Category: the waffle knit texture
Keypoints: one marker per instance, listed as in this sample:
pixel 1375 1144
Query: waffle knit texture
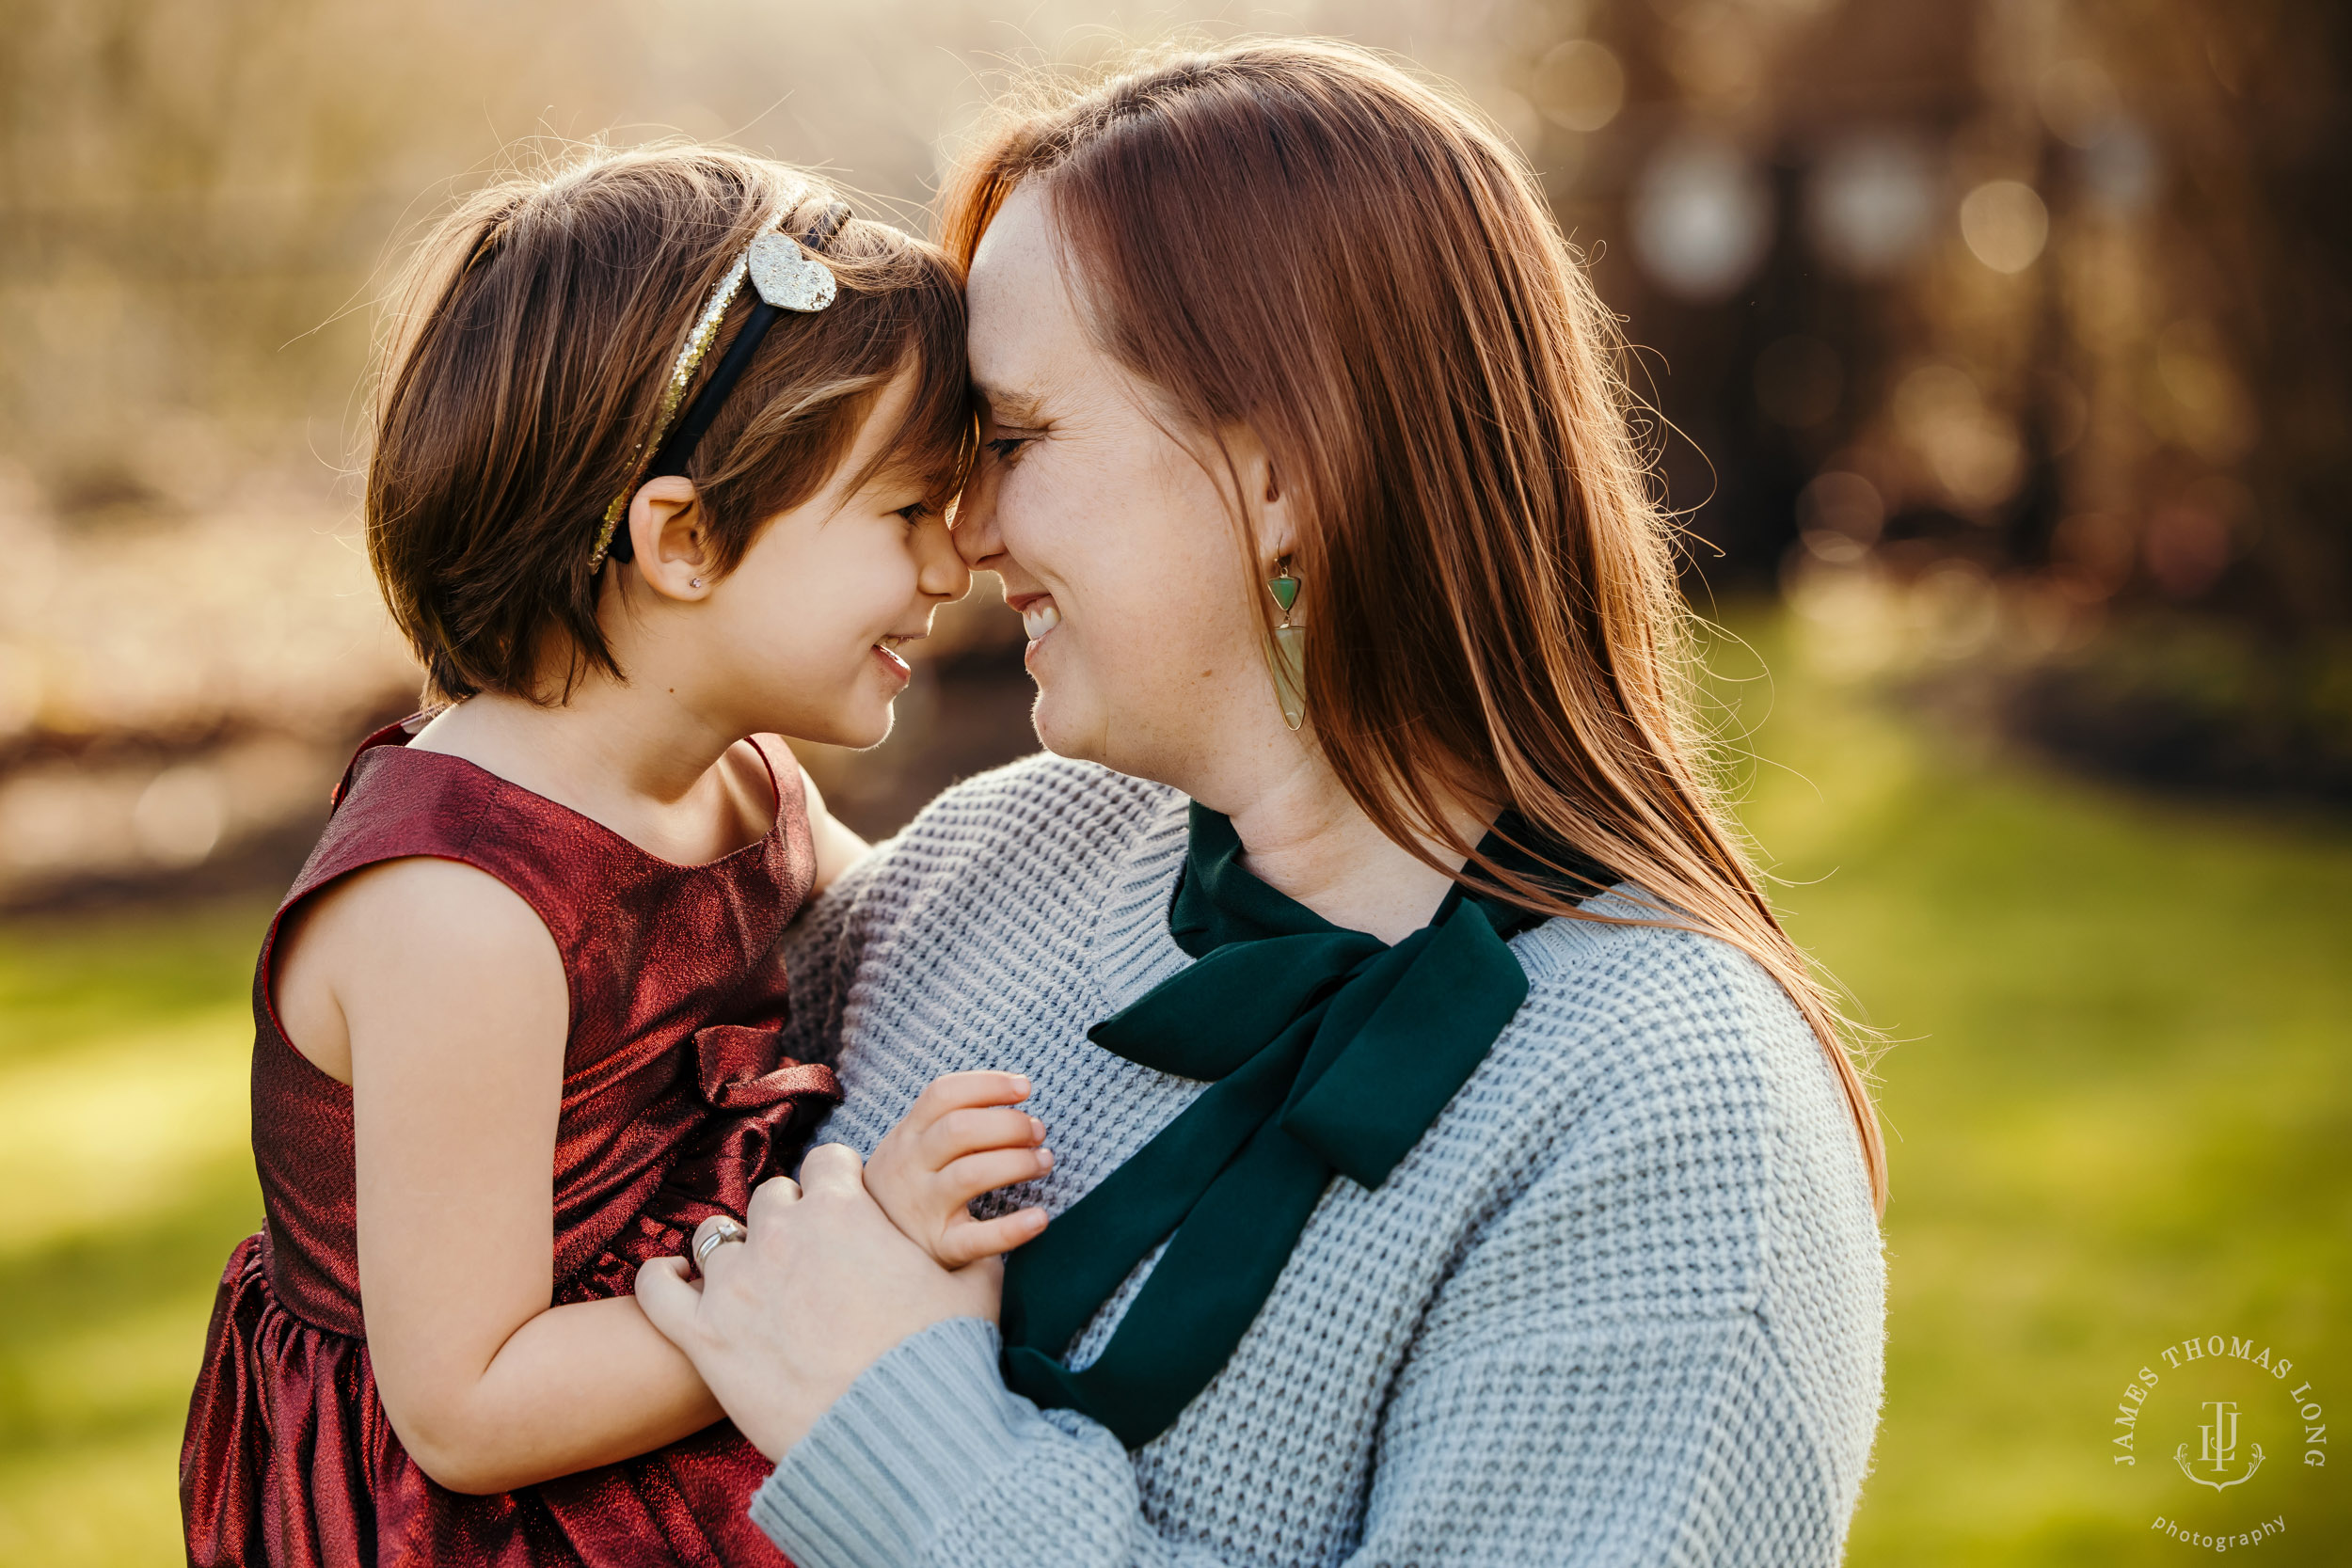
pixel 1623 1304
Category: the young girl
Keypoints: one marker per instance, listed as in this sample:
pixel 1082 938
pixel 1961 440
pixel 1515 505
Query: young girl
pixel 662 448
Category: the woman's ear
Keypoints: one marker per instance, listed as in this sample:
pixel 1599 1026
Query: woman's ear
pixel 1265 494
pixel 674 547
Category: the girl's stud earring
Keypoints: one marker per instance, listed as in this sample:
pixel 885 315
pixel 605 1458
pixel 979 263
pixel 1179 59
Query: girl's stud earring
pixel 696 583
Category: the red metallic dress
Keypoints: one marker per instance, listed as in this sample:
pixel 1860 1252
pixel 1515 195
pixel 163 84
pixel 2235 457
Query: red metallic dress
pixel 675 1103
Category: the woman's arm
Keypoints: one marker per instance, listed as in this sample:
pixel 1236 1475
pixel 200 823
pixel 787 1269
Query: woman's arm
pixel 1543 1416
pixel 453 999
pixel 819 953
pixel 839 845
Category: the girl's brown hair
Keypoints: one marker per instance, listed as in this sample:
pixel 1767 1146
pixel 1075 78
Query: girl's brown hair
pixel 1301 240
pixel 524 362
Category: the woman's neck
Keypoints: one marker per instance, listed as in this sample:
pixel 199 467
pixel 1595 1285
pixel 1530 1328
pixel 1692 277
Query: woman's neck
pixel 1303 835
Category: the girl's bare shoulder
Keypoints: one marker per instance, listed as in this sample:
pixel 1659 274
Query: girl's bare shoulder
pixel 418 933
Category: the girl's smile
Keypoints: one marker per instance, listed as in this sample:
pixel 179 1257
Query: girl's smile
pixel 886 654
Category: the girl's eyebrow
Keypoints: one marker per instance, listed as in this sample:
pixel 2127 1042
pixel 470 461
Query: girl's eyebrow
pixel 901 472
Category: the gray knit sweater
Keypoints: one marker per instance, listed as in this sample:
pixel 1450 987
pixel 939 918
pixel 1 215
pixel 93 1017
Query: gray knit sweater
pixel 1623 1304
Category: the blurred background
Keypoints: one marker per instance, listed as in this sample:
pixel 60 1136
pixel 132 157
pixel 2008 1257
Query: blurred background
pixel 1997 351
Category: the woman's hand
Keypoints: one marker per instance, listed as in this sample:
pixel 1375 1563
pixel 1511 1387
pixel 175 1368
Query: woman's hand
pixel 781 1324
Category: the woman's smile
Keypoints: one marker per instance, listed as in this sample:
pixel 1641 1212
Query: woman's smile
pixel 1039 617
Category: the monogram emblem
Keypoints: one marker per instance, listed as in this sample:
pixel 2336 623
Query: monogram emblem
pixel 2217 1447
pixel 787 276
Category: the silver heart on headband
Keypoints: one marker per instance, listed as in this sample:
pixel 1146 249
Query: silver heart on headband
pixel 787 276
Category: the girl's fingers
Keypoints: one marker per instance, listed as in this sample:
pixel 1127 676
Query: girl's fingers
pixel 964 1179
pixel 955 1091
pixel 966 1131
pixel 970 1242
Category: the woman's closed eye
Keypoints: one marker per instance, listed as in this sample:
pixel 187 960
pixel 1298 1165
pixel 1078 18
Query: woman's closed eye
pixel 1005 448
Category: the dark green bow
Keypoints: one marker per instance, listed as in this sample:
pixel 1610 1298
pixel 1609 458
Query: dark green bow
pixel 1325 1051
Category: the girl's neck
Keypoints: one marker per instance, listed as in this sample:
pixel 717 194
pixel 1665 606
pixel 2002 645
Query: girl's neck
pixel 632 758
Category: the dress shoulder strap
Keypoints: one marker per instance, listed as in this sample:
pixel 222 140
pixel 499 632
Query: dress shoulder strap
pixel 394 804
pixel 616 913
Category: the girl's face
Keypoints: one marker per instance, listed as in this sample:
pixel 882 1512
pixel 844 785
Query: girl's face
pixel 1116 544
pixel 805 636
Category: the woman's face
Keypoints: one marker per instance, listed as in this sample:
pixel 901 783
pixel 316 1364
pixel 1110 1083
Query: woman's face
pixel 1116 546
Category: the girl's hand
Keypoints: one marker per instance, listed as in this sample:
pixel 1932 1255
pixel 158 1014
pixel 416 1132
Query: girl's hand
pixel 960 1139
pixel 780 1324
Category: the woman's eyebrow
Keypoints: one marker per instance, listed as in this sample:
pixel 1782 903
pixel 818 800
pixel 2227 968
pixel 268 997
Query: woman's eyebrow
pixel 1020 409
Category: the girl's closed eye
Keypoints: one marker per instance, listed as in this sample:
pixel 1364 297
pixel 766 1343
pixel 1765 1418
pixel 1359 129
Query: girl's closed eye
pixel 913 512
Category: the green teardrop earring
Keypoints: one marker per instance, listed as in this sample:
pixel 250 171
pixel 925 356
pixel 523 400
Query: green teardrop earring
pixel 1287 658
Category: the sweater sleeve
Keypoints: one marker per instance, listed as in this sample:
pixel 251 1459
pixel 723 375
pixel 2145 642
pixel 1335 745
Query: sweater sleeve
pixel 1540 1415
pixel 1681 1435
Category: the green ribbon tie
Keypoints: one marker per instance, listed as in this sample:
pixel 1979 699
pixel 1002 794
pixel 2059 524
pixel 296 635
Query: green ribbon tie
pixel 1324 1051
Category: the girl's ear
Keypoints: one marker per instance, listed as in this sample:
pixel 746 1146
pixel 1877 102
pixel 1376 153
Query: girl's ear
pixel 666 528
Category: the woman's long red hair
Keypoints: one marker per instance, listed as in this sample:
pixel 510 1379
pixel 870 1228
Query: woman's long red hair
pixel 1300 239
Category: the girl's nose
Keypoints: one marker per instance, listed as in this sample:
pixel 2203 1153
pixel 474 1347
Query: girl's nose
pixel 976 537
pixel 940 571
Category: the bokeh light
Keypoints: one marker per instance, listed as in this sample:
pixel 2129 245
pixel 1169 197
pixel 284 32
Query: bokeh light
pixel 2005 224
pixel 1872 204
pixel 1578 86
pixel 1701 217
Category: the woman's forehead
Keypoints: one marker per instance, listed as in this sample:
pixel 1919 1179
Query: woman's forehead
pixel 1022 319
pixel 1019 240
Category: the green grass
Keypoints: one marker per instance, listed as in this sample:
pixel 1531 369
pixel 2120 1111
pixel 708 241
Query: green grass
pixel 2119 1108
pixel 123 1150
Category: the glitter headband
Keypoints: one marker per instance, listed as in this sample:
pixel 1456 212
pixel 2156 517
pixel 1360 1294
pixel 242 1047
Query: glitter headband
pixel 788 276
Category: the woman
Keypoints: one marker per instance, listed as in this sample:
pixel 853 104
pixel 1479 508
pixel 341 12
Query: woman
pixel 1463 1166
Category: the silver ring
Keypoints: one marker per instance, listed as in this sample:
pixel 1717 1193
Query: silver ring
pixel 725 1231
